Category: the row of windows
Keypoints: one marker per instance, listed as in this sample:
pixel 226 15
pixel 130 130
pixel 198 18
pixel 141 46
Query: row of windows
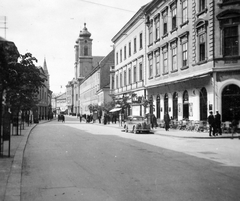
pixel 161 24
pixel 127 50
pixel 129 76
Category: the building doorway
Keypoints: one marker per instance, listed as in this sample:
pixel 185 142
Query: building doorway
pixel 158 107
pixel 203 104
pixel 166 103
pixel 230 102
pixel 185 105
pixel 175 106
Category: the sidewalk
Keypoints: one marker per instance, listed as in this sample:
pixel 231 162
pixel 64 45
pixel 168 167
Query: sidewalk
pixel 11 167
pixel 178 133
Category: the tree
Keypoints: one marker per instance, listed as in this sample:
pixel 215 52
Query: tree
pixel 24 84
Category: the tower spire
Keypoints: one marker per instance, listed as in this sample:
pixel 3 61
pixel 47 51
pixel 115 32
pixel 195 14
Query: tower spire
pixel 45 66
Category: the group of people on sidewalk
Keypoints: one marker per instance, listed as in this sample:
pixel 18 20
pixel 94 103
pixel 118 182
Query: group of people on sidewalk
pixel 215 124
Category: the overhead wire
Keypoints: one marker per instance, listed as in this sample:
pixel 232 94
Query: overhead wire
pixel 108 6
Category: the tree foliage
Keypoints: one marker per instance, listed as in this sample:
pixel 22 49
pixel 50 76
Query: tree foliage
pixel 21 80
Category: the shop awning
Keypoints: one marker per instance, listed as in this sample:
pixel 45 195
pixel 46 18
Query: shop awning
pixel 115 109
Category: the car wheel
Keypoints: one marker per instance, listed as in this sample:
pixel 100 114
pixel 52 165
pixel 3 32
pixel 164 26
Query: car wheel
pixel 126 129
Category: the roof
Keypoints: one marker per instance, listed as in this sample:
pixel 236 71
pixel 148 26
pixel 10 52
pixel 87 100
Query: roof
pixel 131 22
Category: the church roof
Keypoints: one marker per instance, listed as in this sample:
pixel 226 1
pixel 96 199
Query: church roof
pixel 96 60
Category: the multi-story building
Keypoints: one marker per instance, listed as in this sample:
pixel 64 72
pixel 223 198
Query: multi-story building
pixel 94 89
pixel 192 58
pixel 127 77
pixel 226 69
pixel 59 103
pixel 69 97
pixel 190 61
pixel 84 64
pixel 44 108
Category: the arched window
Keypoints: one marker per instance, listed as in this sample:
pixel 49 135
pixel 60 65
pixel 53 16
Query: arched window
pixel 230 102
pixel 85 51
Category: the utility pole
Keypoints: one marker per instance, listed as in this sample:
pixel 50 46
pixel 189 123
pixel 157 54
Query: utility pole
pixel 3 20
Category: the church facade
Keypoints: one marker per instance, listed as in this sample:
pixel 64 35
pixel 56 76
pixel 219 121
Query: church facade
pixel 87 73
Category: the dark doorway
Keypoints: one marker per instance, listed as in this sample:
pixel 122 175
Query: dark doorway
pixel 230 102
pixel 185 105
pixel 203 104
pixel 175 106
pixel 166 103
pixel 158 107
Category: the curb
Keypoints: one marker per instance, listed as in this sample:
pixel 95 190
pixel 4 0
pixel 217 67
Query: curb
pixel 13 188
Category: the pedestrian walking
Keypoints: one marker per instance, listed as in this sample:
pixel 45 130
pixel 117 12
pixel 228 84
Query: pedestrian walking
pixel 167 121
pixel 63 118
pixel 211 121
pixel 80 118
pixel 218 123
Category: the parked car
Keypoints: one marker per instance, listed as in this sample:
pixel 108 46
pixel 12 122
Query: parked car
pixel 137 124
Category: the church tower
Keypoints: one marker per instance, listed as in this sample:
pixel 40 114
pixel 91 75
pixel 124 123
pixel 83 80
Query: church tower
pixel 46 72
pixel 83 54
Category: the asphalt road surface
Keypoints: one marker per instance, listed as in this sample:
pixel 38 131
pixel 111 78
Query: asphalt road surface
pixel 85 162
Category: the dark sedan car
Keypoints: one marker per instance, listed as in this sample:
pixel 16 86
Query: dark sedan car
pixel 137 124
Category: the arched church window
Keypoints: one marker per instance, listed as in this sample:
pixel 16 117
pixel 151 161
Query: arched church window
pixel 85 51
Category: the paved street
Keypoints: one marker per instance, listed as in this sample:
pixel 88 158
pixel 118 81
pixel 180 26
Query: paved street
pixel 73 161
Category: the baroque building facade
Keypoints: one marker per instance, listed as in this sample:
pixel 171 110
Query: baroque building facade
pixel 191 58
pixel 90 85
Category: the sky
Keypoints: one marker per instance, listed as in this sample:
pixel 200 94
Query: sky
pixel 49 29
